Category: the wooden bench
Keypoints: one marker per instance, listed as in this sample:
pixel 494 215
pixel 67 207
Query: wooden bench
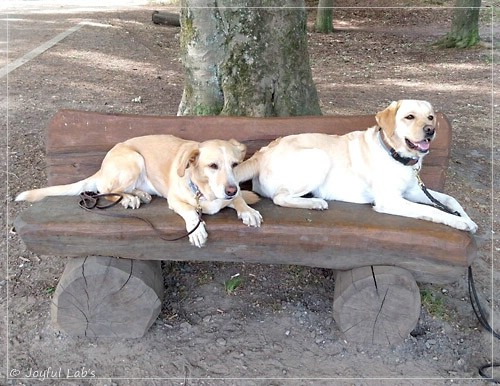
pixel 377 258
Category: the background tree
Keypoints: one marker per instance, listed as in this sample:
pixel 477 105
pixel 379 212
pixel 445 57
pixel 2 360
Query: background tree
pixel 324 17
pixel 241 60
pixel 464 26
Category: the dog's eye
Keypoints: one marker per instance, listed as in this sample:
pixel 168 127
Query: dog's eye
pixel 410 117
pixel 213 166
pixel 234 164
pixel 430 117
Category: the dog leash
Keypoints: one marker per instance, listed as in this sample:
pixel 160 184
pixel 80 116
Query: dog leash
pixel 90 201
pixel 474 299
pixel 438 204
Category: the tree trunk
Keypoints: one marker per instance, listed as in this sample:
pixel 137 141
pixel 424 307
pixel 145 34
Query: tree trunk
pixel 246 61
pixel 464 26
pixel 324 17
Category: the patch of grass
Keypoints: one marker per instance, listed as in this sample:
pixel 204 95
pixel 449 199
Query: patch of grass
pixel 433 303
pixel 205 278
pixel 488 59
pixel 50 290
pixel 232 284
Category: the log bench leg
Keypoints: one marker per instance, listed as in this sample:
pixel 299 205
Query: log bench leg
pixel 101 296
pixel 376 304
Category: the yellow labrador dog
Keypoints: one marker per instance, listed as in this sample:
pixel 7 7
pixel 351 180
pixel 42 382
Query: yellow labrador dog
pixel 188 174
pixel 377 166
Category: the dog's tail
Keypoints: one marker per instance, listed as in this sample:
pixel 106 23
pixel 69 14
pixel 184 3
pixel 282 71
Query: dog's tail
pixel 247 169
pixel 58 190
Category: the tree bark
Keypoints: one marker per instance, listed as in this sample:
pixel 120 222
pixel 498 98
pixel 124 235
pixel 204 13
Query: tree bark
pixel 465 25
pixel 248 61
pixel 324 17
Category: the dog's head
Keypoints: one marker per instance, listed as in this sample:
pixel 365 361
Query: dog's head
pixel 211 167
pixel 409 126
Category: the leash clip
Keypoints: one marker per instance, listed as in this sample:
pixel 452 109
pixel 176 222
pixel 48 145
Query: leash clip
pixel 419 180
pixel 198 195
pixel 199 208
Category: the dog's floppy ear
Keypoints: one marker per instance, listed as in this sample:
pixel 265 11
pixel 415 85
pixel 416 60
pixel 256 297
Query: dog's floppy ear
pixel 240 147
pixel 188 156
pixel 386 119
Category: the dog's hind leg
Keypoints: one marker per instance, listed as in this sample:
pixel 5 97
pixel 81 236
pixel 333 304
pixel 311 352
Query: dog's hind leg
pixel 301 173
pixel 121 171
pixel 284 198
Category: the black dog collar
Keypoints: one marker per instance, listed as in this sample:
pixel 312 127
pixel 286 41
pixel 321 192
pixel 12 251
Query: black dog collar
pixel 407 161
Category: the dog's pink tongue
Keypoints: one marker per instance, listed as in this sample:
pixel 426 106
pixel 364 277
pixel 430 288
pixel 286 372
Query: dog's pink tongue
pixel 423 145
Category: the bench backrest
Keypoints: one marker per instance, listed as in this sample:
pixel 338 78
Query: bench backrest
pixel 77 141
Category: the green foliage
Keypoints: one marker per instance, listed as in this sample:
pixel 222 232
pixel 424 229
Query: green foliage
pixel 433 303
pixel 232 284
pixel 50 290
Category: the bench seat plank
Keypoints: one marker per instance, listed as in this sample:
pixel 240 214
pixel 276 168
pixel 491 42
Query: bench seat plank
pixel 77 140
pixel 335 238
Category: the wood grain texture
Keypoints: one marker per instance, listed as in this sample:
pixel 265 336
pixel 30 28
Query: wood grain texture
pixel 108 297
pixel 376 305
pixel 343 237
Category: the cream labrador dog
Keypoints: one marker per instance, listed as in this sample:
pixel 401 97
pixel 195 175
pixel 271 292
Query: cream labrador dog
pixel 190 175
pixel 377 166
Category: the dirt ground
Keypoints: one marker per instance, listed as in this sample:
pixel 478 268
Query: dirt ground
pixel 277 328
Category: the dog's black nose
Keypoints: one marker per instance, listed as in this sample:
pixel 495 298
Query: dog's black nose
pixel 429 131
pixel 231 190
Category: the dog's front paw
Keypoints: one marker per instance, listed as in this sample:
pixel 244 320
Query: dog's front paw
pixel 144 197
pixel 471 226
pixel 130 201
pixel 465 224
pixel 199 237
pixel 318 204
pixel 251 217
